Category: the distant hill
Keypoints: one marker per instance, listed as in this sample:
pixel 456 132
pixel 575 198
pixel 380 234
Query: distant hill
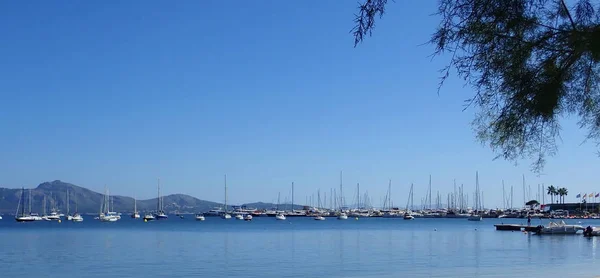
pixel 87 201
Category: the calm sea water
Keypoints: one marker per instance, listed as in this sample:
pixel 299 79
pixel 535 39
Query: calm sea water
pixel 298 247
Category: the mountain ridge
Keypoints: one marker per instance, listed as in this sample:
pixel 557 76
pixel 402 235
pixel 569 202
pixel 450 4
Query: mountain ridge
pixel 84 200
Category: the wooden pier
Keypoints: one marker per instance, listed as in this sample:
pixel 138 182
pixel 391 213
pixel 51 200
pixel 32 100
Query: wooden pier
pixel 515 227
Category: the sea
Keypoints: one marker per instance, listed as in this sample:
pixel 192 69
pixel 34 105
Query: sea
pixel 296 247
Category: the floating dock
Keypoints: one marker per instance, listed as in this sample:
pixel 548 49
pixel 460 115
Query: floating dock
pixel 515 227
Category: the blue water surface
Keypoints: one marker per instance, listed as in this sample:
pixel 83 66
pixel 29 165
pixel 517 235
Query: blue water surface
pixel 297 247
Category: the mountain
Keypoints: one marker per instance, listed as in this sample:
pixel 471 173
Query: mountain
pixel 87 201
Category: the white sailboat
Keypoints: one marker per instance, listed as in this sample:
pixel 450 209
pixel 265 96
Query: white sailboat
pixel 248 217
pixel 225 214
pixel 407 212
pixel 20 215
pixel 475 215
pixel 160 212
pixel 279 215
pixel 342 215
pixel 34 215
pixel 76 216
pixel 105 214
pixel 53 216
pixel 200 217
pixel 135 214
pixel 69 216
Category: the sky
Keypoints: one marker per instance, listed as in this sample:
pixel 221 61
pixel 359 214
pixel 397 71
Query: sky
pixel 265 92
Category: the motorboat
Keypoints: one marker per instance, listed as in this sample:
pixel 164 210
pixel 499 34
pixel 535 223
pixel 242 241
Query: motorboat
pixel 54 216
pixel 214 212
pixel 248 217
pixel 69 218
pixel 408 216
pixel 319 217
pixel 280 216
pixel 24 218
pixel 108 217
pixel 474 217
pixel 239 217
pixel 559 228
pixel 149 217
pixel 342 216
pixel 200 217
pixel 77 218
pixel 226 216
pixel 161 215
pixel 135 214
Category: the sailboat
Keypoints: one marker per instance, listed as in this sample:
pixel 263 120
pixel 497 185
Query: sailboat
pixel 20 216
pixel 105 214
pixel 135 214
pixel 407 213
pixel 225 215
pixel 69 216
pixel 34 215
pixel 54 216
pixel 279 215
pixel 76 216
pixel 475 216
pixel 160 213
pixel 342 215
pixel 319 216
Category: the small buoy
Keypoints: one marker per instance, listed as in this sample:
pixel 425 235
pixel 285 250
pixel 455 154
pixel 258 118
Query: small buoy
pixel 145 220
pixel 356 218
pixel 59 220
pixel 435 230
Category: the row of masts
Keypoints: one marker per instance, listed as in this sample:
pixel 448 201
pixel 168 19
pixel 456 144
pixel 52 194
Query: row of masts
pixel 458 199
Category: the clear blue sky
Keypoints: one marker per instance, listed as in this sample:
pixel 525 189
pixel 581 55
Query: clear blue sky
pixel 267 92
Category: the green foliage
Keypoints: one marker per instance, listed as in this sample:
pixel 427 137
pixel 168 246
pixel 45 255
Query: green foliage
pixel 530 63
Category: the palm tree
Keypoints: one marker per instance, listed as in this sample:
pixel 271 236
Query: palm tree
pixel 565 193
pixel 559 192
pixel 551 192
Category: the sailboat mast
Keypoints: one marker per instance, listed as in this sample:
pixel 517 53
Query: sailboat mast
pixel 292 196
pixel 503 196
pixel 23 201
pixel 30 201
pixel 430 192
pixel 357 195
pixel 341 191
pixel 158 198
pixel 225 193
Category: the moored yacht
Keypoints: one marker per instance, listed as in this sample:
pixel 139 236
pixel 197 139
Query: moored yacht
pixel 77 217
pixel 160 213
pixel 239 216
pixel 559 228
pixel 149 217
pixel 200 217
pixel 248 217
pixel 319 217
pixel 280 216
pixel 342 216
